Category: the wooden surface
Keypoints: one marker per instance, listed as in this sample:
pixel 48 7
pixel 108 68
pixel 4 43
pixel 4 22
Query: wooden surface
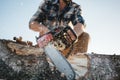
pixel 23 62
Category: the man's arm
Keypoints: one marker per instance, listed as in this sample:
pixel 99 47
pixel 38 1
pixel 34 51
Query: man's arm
pixel 35 22
pixel 35 26
pixel 78 21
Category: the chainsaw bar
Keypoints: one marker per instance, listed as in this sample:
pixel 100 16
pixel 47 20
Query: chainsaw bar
pixel 60 61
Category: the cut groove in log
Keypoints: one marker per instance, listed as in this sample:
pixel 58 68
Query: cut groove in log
pixel 20 49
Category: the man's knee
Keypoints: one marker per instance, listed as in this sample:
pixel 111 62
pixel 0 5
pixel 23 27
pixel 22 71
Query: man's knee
pixel 81 46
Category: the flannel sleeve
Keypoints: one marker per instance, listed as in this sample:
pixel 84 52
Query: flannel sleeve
pixel 77 17
pixel 39 16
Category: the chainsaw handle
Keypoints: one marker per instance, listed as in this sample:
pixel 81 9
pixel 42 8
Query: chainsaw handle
pixel 71 33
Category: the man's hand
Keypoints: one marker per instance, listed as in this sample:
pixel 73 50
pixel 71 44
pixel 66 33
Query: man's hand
pixel 43 30
pixel 44 40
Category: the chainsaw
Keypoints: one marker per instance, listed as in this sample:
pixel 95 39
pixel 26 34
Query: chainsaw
pixel 56 41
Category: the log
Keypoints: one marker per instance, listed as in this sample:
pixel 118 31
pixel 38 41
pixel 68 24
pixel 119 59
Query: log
pixel 26 62
pixel 23 62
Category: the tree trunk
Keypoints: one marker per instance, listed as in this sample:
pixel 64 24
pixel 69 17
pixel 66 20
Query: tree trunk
pixel 24 62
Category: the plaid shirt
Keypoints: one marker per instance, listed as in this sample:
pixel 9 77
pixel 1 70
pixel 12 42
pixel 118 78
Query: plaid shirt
pixel 50 15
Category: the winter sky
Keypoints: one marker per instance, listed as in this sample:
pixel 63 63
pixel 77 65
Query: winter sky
pixel 102 18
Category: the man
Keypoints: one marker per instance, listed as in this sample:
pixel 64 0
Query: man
pixel 53 13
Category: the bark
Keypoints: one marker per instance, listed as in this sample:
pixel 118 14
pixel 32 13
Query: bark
pixel 104 67
pixel 24 62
